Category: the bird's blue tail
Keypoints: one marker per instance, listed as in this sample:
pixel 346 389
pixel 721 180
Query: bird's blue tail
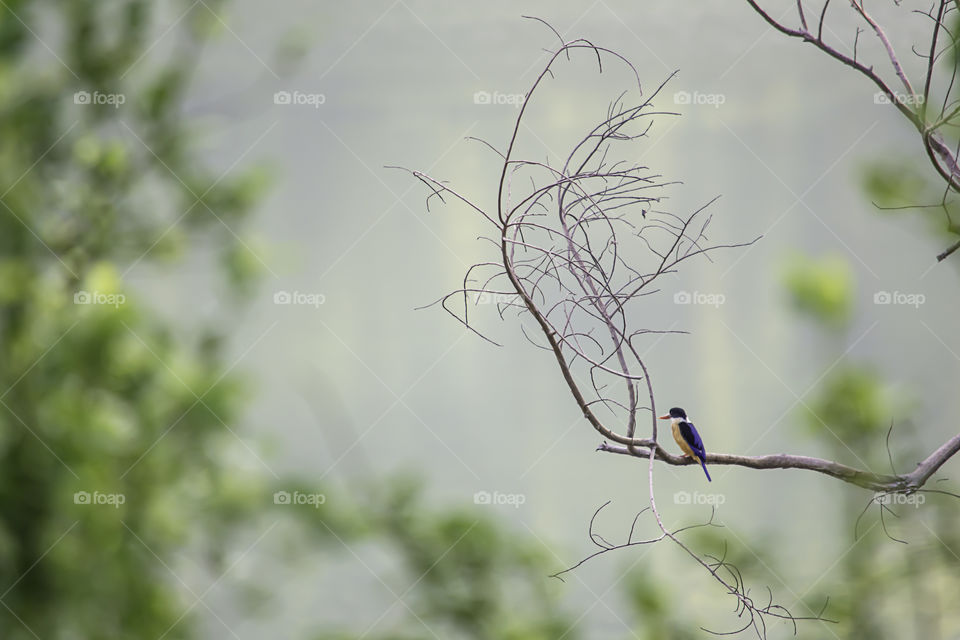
pixel 704 465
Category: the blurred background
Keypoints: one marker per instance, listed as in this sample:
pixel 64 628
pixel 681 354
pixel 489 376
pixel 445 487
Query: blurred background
pixel 223 415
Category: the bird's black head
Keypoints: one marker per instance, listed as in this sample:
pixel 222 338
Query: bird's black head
pixel 677 412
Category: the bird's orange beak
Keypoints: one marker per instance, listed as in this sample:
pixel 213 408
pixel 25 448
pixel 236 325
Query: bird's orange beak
pixel 666 417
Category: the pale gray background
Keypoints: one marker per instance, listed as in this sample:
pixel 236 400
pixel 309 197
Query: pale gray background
pixel 365 384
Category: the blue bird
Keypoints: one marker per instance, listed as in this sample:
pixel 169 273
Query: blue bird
pixel 687 437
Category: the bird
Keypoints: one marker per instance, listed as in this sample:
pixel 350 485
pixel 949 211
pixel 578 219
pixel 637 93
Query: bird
pixel 687 437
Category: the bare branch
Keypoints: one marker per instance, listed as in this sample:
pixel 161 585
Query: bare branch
pixel 582 241
pixel 914 107
pixel 866 479
pixel 722 570
pixel 946 254
pixel 877 29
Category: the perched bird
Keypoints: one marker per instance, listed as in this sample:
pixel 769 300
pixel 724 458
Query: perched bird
pixel 687 437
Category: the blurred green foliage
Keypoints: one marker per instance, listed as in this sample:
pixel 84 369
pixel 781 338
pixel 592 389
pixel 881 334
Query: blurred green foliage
pixel 655 609
pixel 820 287
pixel 114 423
pixel 463 575
pixel 900 188
pixel 899 184
pixel 881 588
pixel 853 405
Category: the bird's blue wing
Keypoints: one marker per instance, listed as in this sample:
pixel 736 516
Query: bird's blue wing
pixel 689 433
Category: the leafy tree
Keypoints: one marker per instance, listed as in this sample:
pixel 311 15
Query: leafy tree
pixel 112 421
pixel 882 587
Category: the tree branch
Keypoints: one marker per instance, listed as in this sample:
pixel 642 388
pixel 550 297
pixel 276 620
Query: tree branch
pixel 913 107
pixel 867 479
pixel 581 243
